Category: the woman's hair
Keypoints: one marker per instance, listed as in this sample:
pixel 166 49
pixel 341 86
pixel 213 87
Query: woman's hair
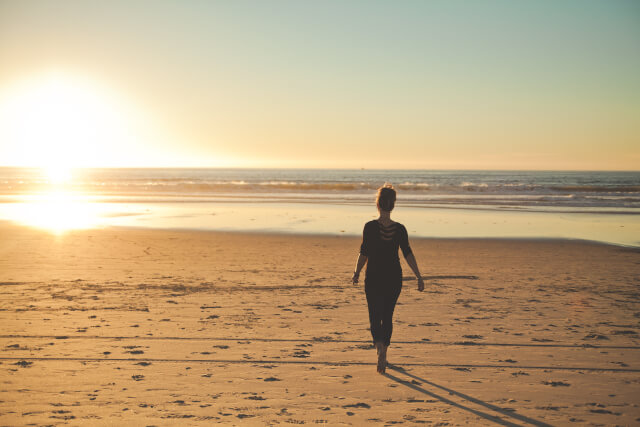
pixel 386 199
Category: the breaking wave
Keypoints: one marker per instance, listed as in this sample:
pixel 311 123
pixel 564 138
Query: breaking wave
pixel 518 188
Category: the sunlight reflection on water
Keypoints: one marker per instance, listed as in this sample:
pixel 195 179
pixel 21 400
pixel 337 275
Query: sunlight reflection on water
pixel 59 212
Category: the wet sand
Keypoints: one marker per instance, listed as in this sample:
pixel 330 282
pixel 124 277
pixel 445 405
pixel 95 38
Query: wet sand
pixel 149 327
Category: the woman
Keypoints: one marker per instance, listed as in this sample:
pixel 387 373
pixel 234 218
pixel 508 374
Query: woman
pixel 381 239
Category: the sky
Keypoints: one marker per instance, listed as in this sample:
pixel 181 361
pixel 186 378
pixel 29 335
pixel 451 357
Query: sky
pixel 322 84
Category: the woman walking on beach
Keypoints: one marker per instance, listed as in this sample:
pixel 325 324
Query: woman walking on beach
pixel 381 239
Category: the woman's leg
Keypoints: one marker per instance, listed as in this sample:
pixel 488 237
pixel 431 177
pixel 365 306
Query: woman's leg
pixel 386 326
pixel 381 303
pixel 382 358
pixel 389 305
pixel 375 303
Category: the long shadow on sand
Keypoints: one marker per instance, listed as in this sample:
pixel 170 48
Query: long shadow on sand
pixel 417 381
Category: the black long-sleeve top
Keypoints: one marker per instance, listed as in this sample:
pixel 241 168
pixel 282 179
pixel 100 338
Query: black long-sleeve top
pixel 380 245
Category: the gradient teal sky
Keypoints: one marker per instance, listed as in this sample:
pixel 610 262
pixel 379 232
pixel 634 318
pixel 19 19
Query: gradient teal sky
pixel 373 84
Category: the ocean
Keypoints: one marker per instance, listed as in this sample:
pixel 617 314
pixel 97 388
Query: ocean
pixel 601 206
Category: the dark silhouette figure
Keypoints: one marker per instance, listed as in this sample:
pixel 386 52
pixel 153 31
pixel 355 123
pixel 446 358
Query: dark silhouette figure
pixel 381 239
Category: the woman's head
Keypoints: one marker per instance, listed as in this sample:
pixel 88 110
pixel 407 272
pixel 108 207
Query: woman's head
pixel 386 199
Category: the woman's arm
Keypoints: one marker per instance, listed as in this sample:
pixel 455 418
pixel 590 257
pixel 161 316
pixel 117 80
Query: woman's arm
pixel 408 255
pixel 362 260
pixel 411 260
pixel 362 256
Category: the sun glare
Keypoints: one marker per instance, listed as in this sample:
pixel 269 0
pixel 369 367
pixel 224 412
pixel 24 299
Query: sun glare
pixel 58 174
pixel 57 212
pixel 58 121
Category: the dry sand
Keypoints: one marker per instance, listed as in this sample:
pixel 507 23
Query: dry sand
pixel 145 327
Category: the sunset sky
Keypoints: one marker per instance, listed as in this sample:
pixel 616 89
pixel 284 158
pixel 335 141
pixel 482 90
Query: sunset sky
pixel 347 84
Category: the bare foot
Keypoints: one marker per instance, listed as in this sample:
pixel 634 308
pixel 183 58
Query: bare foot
pixel 382 359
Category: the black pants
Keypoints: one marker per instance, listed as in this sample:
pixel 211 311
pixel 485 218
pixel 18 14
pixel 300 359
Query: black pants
pixel 381 299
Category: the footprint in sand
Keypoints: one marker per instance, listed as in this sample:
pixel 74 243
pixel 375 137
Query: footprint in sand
pixel 242 416
pixel 551 408
pixel 131 349
pixel 62 415
pixel 255 398
pixel 556 383
pixel 596 337
pixel 358 405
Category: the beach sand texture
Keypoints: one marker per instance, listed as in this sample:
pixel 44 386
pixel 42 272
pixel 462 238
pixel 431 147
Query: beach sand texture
pixel 147 327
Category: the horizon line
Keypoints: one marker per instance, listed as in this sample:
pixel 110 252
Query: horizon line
pixel 325 168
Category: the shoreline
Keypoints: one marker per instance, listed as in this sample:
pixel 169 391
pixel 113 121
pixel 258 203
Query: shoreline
pixel 11 224
pixel 356 236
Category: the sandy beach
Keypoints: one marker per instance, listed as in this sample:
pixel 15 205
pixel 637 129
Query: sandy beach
pixel 150 327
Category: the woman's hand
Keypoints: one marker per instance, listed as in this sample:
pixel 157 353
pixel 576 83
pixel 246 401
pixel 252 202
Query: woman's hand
pixel 362 260
pixel 355 278
pixel 420 284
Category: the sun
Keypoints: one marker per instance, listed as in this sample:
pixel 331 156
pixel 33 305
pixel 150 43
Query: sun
pixel 58 174
pixel 58 121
